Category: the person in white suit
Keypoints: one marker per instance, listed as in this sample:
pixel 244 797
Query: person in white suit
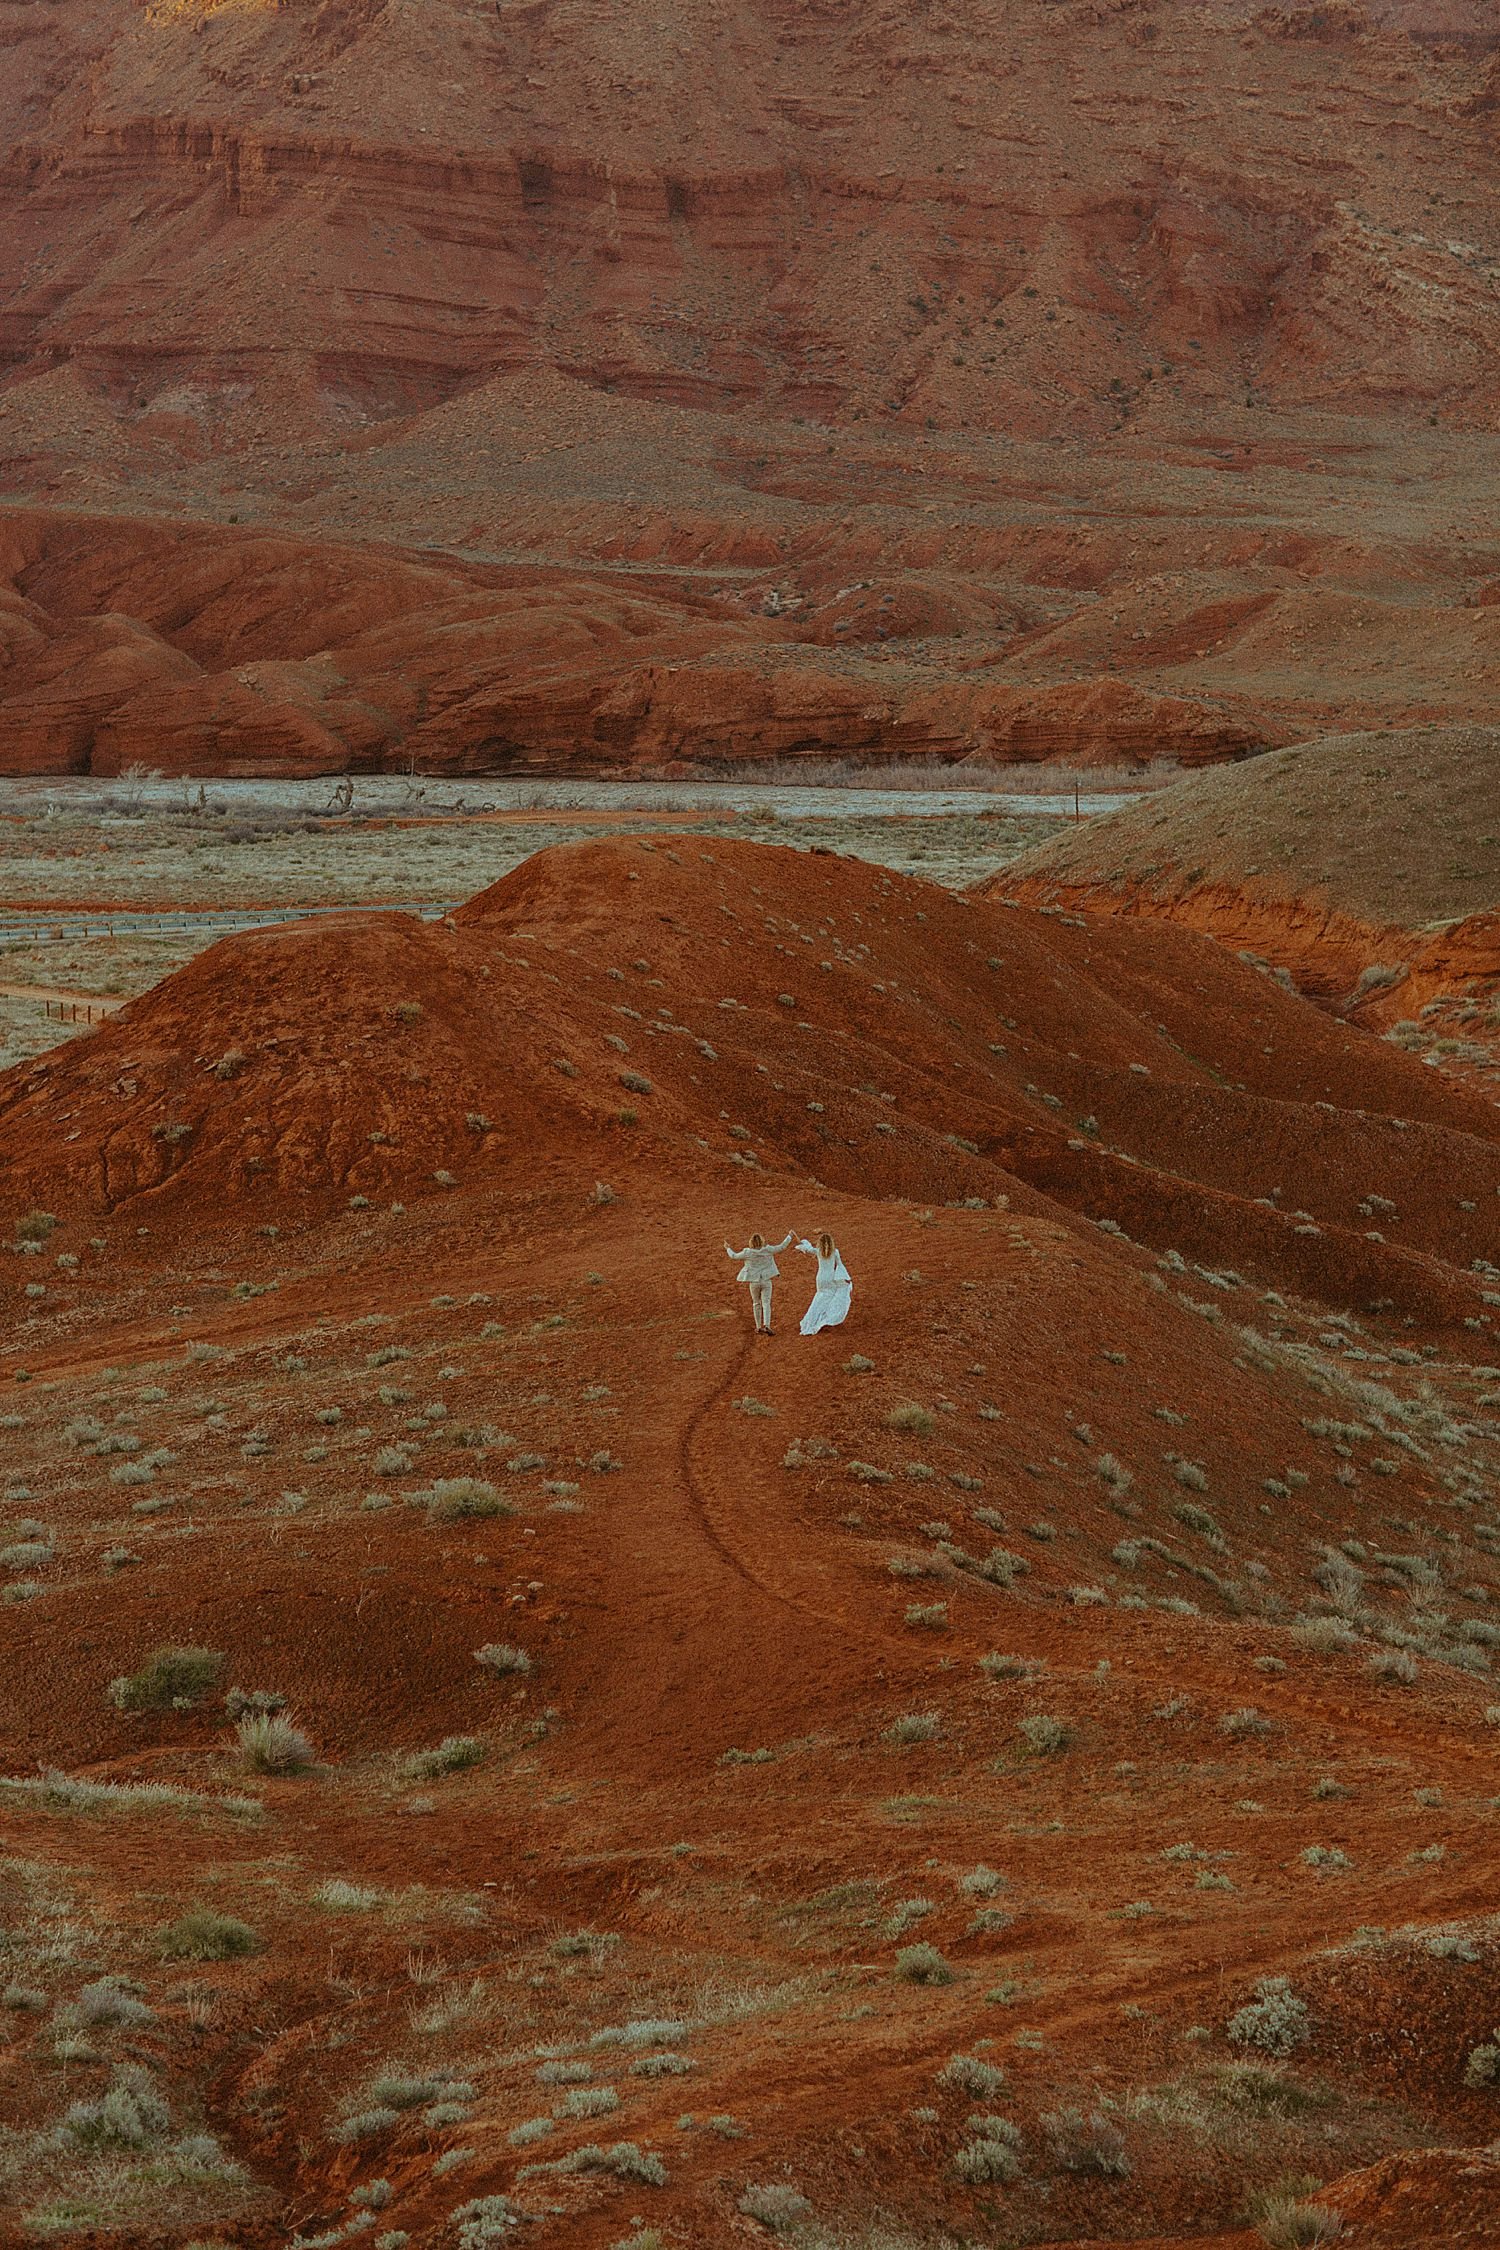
pixel 760 1269
pixel 834 1287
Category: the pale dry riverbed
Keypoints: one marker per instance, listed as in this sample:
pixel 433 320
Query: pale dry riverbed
pixel 105 888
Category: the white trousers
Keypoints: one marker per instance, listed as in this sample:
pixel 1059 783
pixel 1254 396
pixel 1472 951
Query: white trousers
pixel 760 1302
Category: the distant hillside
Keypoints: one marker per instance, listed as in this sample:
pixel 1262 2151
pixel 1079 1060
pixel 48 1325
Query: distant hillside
pixel 1366 865
pixel 1099 380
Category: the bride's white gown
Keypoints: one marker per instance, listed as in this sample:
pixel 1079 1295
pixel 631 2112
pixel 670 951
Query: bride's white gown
pixel 831 1297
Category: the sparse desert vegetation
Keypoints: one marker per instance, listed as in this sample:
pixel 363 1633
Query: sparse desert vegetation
pixel 518 1722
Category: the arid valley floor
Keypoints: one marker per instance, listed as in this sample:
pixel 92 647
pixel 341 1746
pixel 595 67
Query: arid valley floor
pixel 622 624
pixel 1016 1769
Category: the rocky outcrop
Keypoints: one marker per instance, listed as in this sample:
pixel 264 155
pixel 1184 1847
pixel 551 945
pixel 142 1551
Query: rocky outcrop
pixel 1065 379
pixel 258 656
pixel 73 684
pixel 1010 221
pixel 263 720
pixel 1108 722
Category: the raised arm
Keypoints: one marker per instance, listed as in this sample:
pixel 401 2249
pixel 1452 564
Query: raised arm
pixel 785 1243
pixel 735 1253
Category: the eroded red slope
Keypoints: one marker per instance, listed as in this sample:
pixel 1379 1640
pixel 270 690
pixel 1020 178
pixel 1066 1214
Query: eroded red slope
pixel 1195 1505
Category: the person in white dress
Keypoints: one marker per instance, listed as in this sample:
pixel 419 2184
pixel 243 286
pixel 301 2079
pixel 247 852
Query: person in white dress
pixel 834 1288
pixel 760 1269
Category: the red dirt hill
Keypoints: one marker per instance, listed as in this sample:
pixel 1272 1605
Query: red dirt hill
pixel 367 1337
pixel 1138 1076
pixel 1366 867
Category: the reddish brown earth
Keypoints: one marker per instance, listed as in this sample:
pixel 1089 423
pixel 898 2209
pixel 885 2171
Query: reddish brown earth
pixel 1365 867
pixel 1181 1295
pixel 1099 380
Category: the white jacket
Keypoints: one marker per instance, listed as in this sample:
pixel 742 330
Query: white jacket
pixel 759 1265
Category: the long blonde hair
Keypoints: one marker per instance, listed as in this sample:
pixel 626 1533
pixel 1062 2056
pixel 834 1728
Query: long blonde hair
pixel 757 1242
pixel 825 1245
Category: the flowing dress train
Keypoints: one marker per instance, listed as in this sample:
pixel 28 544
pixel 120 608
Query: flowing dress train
pixel 831 1297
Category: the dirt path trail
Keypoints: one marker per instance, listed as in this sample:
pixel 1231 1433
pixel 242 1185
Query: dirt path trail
pixel 728 1619
pixel 741 1518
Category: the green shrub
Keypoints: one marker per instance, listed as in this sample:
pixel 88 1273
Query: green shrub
pixel 971 2074
pixel 530 2130
pixel 106 2001
pixel 1325 1636
pixel 1091 2142
pixel 776 2207
pixel 914 1726
pixel 991 2156
pixel 918 1421
pixel 642 2031
pixel 453 1497
pixel 338 1897
pixel 454 1754
pixel 1285 2223
pixel 366 2125
pixel 173 1679
pixel 270 1743
pixel 1256 2086
pixel 486 2223
pixel 131 2115
pixel 1044 1737
pixel 26 1554
pixel 923 1964
pixel 501 1657
pixel 624 2159
pixel 399 2089
pixel 582 1945
pixel 590 2101
pixel 1276 2020
pixel 203 1935
pixel 998 1666
pixel 665 2065
pixel 1483 2065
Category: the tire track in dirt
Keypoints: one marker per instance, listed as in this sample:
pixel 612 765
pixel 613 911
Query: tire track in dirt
pixel 696 1483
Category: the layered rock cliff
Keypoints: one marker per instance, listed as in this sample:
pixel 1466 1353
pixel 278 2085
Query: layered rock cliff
pixel 982 308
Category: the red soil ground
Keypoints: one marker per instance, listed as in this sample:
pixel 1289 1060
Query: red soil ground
pixel 1365 867
pixel 1190 1288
